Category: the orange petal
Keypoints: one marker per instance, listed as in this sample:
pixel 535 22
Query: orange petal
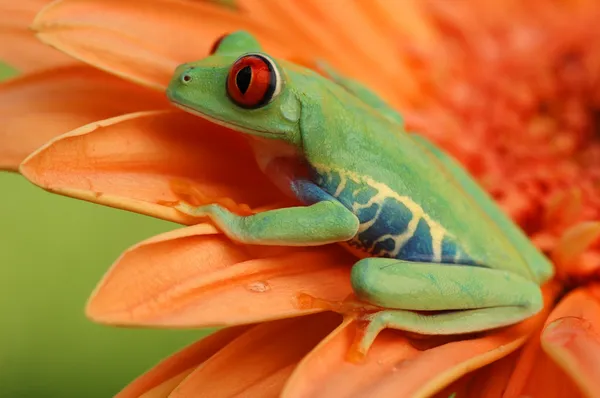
pixel 563 209
pixel 131 161
pixel 396 368
pixel 406 21
pixel 20 48
pixel 195 277
pixel 572 244
pixel 487 382
pixel 285 16
pixel 572 339
pixel 371 50
pixel 163 378
pixel 330 26
pixel 536 375
pixel 258 363
pixel 145 40
pixel 37 107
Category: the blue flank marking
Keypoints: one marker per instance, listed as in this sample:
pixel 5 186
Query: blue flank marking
pixel 393 219
pixel 364 194
pixel 367 213
pixel 449 250
pixel 418 247
pixel 309 193
pixel 382 248
pixel 465 259
pixel 332 180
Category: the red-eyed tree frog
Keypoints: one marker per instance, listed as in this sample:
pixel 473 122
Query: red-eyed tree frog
pixel 430 239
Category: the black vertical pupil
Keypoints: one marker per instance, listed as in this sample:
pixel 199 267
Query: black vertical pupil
pixel 242 79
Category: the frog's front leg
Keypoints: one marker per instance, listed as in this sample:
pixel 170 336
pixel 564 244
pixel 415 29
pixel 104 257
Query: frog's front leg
pixel 323 221
pixel 473 298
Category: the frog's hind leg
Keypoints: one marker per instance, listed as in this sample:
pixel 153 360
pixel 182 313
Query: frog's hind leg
pixel 472 298
pixel 358 89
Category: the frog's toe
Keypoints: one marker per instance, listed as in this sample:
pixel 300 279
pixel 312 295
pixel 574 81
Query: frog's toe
pixel 368 325
pixel 350 305
pixel 187 191
pixel 199 211
pixel 364 337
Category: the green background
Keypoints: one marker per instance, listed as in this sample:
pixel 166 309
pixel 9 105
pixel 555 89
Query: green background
pixel 53 250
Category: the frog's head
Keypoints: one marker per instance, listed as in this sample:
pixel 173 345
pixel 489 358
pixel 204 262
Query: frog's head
pixel 240 87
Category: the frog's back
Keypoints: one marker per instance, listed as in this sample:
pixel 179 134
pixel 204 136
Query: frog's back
pixel 409 205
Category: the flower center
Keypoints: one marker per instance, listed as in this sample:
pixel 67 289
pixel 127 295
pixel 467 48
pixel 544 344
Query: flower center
pixel 520 107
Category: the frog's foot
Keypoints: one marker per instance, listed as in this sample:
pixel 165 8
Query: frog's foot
pixel 185 192
pixel 354 308
pixel 190 198
pixel 367 324
pixel 368 327
pixel 349 306
pixel 193 211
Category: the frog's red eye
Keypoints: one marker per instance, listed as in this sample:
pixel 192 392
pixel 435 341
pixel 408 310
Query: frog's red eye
pixel 253 81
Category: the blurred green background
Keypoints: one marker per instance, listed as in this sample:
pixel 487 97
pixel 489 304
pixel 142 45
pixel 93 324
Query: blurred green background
pixel 53 250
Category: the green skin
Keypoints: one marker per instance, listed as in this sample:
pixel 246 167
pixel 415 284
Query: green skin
pixel 432 238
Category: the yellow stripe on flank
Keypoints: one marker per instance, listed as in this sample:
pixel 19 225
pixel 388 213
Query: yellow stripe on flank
pixel 341 185
pixel 437 235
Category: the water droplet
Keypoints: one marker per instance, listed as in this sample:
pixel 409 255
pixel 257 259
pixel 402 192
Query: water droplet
pixel 258 287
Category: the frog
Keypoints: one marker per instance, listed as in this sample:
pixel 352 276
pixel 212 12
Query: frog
pixel 435 253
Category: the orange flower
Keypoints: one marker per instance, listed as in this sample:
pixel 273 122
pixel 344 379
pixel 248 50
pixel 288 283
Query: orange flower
pixel 509 87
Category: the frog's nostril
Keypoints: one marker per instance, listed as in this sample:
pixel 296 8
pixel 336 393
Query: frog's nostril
pixel 186 76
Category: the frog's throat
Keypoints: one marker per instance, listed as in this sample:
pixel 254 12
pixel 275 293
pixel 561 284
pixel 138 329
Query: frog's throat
pixel 230 125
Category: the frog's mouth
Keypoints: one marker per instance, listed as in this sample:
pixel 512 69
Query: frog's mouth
pixel 229 125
